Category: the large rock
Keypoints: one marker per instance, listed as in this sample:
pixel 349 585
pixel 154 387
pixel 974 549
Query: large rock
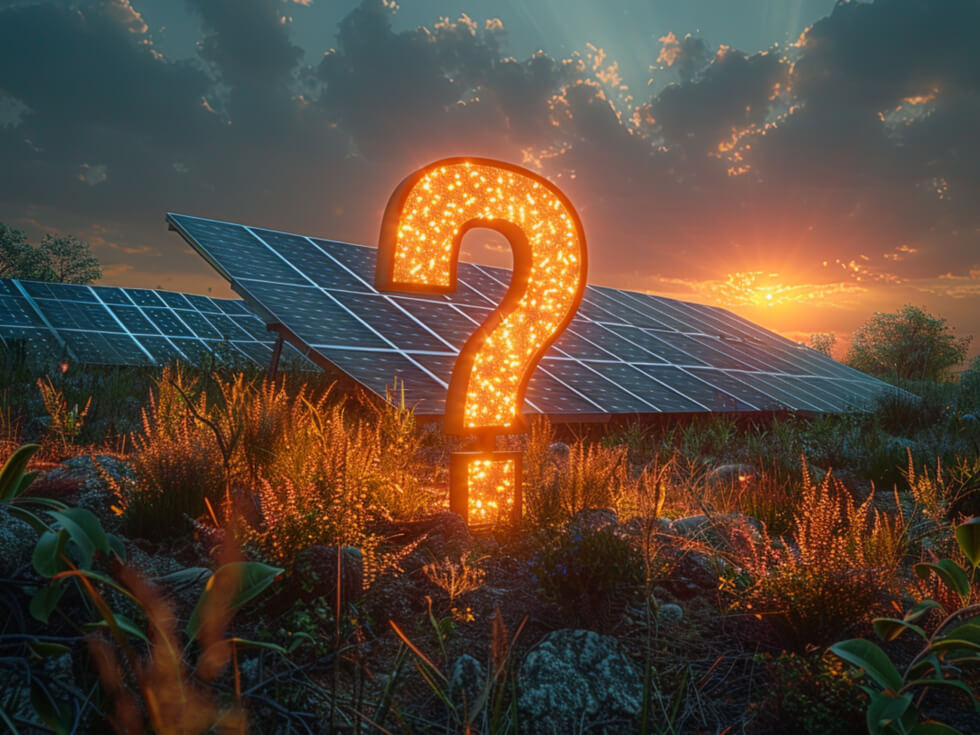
pixel 579 681
pixel 82 483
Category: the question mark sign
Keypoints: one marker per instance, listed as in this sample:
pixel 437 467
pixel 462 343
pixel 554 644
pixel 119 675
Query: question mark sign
pixel 421 232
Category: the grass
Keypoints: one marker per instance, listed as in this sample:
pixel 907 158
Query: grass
pixel 774 564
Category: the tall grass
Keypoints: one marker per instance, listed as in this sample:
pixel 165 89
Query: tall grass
pixel 833 570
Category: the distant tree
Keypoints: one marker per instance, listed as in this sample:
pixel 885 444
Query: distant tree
pixel 823 342
pixel 909 344
pixel 65 259
pixel 14 251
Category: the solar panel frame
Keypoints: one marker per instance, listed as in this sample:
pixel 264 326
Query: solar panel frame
pixel 617 340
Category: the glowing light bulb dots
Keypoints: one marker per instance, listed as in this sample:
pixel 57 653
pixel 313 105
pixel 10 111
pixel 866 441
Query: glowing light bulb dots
pixel 421 232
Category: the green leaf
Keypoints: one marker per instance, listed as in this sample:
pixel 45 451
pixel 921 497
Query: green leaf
pixel 26 480
pixel 956 684
pixel 968 537
pixel 245 643
pixel 950 572
pixel 885 709
pixel 11 476
pixel 954 644
pixel 967 631
pixel 866 655
pixel 44 601
pixel 888 629
pixel 84 528
pixel 184 577
pixel 51 714
pixel 47 552
pixel 248 578
pixel 47 649
pixel 125 624
pixel 920 609
pixel 116 546
pixel 931 727
pixel 22 514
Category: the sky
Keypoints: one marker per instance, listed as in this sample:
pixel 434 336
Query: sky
pixel 804 163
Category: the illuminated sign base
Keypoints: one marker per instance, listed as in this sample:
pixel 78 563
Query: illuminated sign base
pixel 485 487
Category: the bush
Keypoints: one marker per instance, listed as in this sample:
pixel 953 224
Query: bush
pixel 175 468
pixel 841 559
pixel 591 575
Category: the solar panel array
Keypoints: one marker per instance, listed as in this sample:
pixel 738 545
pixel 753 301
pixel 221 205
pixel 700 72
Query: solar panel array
pixel 106 325
pixel 624 353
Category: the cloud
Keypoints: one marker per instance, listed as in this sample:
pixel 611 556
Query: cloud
pixel 856 146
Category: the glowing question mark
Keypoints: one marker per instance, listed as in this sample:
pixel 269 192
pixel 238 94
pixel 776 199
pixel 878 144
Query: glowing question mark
pixel 421 232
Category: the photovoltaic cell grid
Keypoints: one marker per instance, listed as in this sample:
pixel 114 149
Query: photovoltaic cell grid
pixel 105 325
pixel 625 352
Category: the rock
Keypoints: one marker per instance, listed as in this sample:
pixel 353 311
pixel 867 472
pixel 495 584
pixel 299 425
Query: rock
pixel 559 453
pixel 670 613
pixel 578 681
pixel 732 474
pixel 715 528
pixel 593 520
pixel 317 565
pixel 17 542
pixel 634 528
pixel 79 478
pixel 466 681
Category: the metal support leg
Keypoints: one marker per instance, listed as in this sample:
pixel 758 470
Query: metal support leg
pixel 274 362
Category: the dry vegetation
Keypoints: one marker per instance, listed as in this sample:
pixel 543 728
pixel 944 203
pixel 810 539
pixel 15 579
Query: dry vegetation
pixel 246 556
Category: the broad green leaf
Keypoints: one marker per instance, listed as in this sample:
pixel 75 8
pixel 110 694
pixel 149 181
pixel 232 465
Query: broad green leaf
pixel 931 660
pixel 954 644
pixel 932 727
pixel 11 475
pixel 248 578
pixel 184 577
pixel 920 609
pixel 866 655
pixel 967 631
pixel 44 601
pixel 125 624
pixel 117 546
pixel 885 709
pixel 47 649
pixel 245 643
pixel 888 629
pixel 954 683
pixel 47 553
pixel 950 572
pixel 54 716
pixel 968 537
pixel 32 520
pixel 83 526
pixel 26 480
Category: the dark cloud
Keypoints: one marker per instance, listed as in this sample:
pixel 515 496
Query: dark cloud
pixel 856 147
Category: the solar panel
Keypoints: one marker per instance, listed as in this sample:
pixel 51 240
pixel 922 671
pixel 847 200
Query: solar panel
pixel 107 325
pixel 624 353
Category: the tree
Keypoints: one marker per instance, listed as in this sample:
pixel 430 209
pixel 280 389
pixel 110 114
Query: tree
pixel 910 344
pixel 823 342
pixel 65 259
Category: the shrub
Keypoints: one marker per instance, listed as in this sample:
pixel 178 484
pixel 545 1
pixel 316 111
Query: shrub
pixel 176 472
pixel 842 557
pixel 591 575
pixel 540 486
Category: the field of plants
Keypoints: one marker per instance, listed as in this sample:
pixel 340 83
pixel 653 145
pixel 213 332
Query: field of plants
pixel 190 551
